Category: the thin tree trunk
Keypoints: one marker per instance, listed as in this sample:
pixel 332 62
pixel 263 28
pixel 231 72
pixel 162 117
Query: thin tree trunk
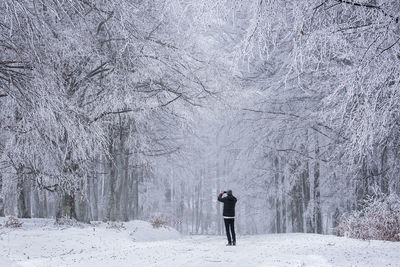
pixel 277 198
pixel 317 194
pixel 110 213
pixel 1 197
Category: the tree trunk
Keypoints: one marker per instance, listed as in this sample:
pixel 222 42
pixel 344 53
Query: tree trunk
pixel 66 206
pixel 384 183
pixel 1 197
pixel 135 192
pixel 111 206
pixel 277 200
pixel 317 194
pixel 283 207
pixel 24 209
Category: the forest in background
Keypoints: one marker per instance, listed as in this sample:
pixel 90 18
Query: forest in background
pixel 119 110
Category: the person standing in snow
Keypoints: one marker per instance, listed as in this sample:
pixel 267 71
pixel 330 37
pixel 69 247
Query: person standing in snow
pixel 229 215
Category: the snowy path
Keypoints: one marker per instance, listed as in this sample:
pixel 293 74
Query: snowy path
pixel 107 247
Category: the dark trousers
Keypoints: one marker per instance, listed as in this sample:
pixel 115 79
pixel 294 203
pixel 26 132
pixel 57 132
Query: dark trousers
pixel 230 223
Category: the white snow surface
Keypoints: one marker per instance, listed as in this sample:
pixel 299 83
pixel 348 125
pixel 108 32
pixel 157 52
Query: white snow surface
pixel 41 243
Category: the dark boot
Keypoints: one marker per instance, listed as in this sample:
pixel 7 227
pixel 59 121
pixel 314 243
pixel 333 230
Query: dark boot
pixel 229 244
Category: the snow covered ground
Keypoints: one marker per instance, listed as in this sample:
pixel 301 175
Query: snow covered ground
pixel 40 243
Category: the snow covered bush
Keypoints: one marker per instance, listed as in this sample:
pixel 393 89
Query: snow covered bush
pixel 380 219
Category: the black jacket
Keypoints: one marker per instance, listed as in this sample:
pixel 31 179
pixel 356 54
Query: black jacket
pixel 229 205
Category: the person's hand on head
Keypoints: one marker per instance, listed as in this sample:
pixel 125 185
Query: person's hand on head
pixel 222 191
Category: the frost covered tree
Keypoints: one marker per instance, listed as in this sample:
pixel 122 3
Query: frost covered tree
pixel 328 103
pixel 85 82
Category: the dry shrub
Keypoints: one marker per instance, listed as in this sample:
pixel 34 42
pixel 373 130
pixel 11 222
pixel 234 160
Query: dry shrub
pixel 13 222
pixel 158 222
pixel 379 220
pixel 95 223
pixel 66 221
pixel 115 225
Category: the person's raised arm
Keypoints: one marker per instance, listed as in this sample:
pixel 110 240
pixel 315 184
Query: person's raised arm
pixel 220 199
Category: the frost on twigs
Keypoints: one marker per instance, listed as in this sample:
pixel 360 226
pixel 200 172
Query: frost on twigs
pixel 379 220
pixel 13 222
pixel 115 225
